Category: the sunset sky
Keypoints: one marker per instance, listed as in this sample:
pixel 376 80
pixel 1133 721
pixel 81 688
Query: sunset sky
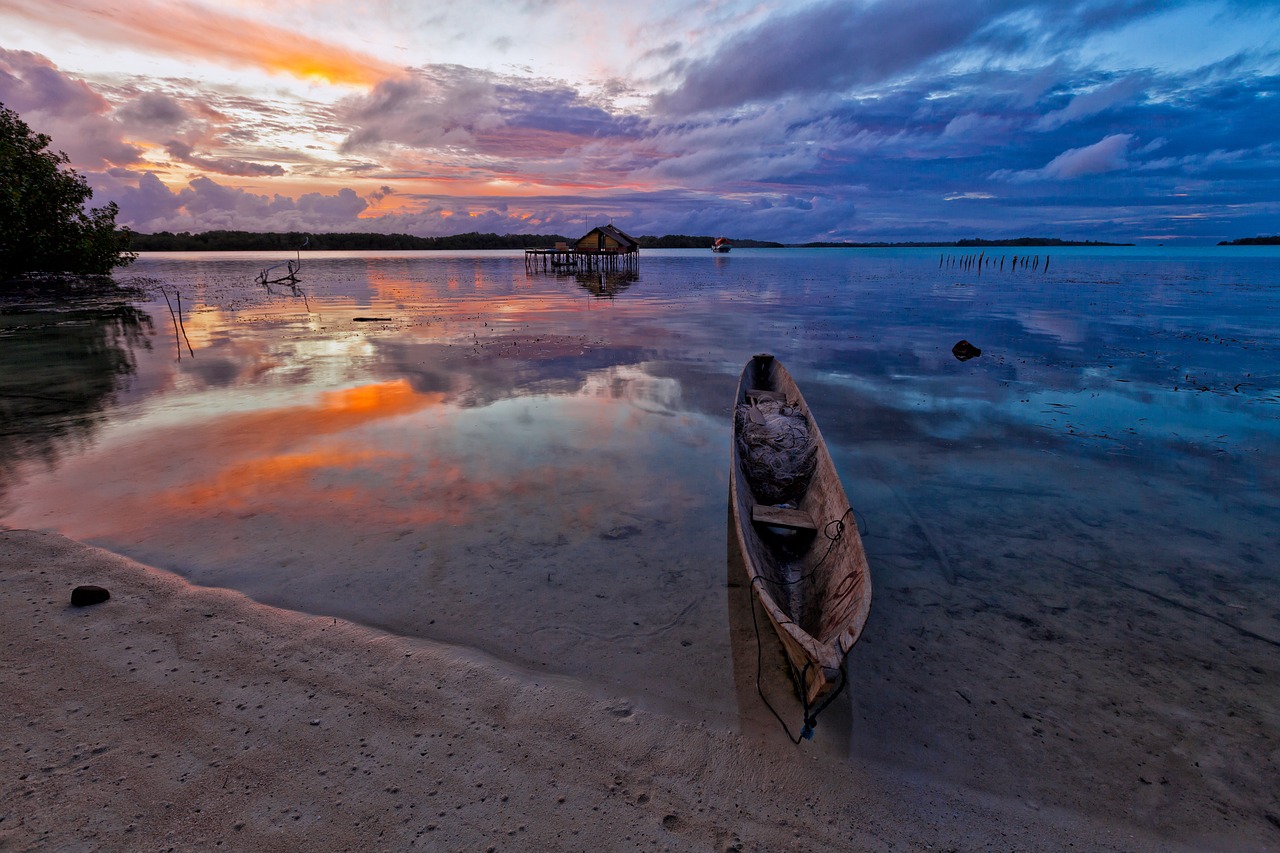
pixel 1123 120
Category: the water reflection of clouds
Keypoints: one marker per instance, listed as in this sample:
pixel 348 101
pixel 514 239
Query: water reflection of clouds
pixel 385 449
pixel 523 465
pixel 203 326
pixel 482 372
pixel 282 351
pixel 233 453
pixel 633 383
pixel 282 483
pixel 877 333
pixel 1064 327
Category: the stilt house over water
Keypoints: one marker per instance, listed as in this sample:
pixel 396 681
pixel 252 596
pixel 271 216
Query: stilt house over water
pixel 601 249
pixel 607 247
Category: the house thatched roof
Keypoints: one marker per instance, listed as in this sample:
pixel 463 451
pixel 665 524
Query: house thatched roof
pixel 624 240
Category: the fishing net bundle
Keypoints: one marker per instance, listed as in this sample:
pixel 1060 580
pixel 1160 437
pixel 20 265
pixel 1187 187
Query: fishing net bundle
pixel 777 450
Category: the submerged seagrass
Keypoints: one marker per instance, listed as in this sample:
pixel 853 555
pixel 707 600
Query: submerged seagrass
pixel 804 557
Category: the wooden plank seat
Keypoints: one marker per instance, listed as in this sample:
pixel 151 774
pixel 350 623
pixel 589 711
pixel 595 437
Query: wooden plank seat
pixel 760 396
pixel 776 516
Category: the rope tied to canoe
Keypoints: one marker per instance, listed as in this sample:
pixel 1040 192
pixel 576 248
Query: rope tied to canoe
pixel 836 525
pixel 810 711
pixel 834 531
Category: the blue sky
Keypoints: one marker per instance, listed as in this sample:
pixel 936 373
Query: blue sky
pixel 1123 121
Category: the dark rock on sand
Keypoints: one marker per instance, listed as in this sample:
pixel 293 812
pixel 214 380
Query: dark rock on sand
pixel 83 596
pixel 963 350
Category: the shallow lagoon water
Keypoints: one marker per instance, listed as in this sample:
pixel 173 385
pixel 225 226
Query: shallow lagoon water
pixel 1073 537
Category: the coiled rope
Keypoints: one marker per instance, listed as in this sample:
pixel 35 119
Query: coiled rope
pixel 811 712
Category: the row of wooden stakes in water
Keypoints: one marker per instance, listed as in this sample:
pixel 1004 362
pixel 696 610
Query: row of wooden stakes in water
pixel 969 262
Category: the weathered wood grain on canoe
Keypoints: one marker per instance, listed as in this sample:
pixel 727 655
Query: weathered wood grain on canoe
pixel 805 563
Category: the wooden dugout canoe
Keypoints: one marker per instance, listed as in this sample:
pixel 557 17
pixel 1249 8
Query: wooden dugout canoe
pixel 806 565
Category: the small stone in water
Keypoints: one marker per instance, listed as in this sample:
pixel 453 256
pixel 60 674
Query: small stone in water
pixel 963 350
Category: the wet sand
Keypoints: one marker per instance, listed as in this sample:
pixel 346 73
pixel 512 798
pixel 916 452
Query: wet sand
pixel 184 717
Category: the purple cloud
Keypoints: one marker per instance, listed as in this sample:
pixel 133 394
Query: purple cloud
pixel 1105 155
pixel 183 153
pixel 821 50
pixel 1094 101
pixel 68 110
pixel 149 206
pixel 204 205
pixel 463 109
pixel 155 109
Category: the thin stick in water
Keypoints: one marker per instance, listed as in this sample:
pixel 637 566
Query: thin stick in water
pixel 178 293
pixel 177 342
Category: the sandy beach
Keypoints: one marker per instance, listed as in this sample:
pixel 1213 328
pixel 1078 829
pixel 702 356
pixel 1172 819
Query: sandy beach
pixel 180 717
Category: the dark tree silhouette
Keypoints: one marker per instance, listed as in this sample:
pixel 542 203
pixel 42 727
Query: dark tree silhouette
pixel 44 226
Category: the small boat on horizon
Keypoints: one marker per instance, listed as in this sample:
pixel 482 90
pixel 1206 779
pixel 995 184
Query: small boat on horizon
pixel 721 244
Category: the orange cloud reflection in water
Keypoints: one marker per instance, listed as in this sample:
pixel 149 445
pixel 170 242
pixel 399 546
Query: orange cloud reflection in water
pixel 247 485
pixel 391 283
pixel 291 459
pixel 394 397
pixel 277 475
pixel 334 471
pixel 340 486
pixel 335 412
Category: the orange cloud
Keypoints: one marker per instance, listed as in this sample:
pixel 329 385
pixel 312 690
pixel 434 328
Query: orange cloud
pixel 188 30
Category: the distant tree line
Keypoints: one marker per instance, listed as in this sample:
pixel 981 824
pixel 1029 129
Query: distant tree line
pixel 687 241
pixel 962 244
pixel 252 241
pixel 1253 241
pixel 222 241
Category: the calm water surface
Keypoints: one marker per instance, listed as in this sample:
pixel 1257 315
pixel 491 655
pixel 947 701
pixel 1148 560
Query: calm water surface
pixel 1076 528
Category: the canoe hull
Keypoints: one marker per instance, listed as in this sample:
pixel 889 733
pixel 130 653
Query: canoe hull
pixel 814 586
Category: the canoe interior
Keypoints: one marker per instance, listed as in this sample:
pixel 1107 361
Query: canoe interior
pixel 818 601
